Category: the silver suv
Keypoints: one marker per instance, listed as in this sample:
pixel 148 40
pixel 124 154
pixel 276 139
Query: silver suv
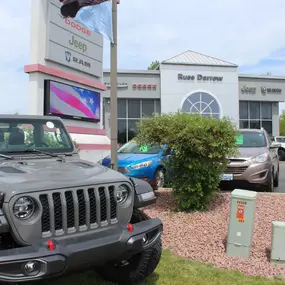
pixel 256 166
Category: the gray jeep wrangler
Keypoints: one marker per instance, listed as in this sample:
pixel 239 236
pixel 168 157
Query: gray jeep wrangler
pixel 59 213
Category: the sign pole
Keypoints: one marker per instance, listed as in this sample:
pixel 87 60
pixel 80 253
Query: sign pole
pixel 113 96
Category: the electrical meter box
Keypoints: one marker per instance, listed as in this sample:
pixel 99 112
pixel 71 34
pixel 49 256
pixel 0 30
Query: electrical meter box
pixel 278 243
pixel 241 223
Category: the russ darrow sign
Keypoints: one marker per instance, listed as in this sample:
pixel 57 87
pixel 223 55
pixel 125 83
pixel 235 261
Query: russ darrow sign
pixel 200 78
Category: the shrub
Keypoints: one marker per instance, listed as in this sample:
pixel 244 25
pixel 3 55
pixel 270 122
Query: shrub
pixel 201 146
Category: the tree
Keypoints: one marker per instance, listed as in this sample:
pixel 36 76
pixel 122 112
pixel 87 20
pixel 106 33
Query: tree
pixel 200 147
pixel 153 65
pixel 282 124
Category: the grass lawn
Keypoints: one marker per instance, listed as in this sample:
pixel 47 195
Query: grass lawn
pixel 174 270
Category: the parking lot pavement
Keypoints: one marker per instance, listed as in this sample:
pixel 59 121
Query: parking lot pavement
pixel 281 188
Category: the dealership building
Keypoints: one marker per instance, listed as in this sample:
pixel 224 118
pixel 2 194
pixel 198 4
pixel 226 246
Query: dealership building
pixel 193 82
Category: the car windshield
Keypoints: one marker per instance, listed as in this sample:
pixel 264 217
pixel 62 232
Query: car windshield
pixel 251 139
pixel 19 135
pixel 280 140
pixel 133 147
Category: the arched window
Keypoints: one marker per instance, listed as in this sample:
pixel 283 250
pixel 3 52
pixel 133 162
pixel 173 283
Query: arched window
pixel 203 104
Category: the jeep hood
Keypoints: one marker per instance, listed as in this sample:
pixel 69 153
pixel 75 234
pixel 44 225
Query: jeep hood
pixel 36 175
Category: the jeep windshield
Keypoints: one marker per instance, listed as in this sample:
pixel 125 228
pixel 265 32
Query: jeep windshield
pixel 33 136
pixel 133 147
pixel 251 139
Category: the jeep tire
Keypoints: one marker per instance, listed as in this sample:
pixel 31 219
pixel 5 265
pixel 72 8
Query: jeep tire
pixel 276 179
pixel 281 154
pixel 138 267
pixel 159 180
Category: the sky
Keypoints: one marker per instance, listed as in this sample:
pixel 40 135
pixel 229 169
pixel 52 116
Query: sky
pixel 247 33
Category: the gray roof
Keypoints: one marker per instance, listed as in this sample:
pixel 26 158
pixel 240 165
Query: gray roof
pixel 194 58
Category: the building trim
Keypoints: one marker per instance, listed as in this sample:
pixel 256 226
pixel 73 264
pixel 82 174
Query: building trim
pixel 85 131
pixel 157 72
pixel 255 76
pixel 199 64
pixel 94 146
pixel 31 68
pixel 132 71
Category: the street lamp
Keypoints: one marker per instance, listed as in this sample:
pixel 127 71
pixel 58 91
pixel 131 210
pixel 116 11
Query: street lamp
pixel 113 96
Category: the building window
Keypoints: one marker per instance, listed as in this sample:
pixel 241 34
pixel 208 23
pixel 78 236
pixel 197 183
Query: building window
pixel 147 108
pixel 130 111
pixel 255 115
pixel 243 111
pixel 202 103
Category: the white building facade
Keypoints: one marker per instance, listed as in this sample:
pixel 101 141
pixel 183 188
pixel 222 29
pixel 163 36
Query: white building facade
pixel 193 82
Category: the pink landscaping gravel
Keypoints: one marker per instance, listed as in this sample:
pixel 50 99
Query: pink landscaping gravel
pixel 202 236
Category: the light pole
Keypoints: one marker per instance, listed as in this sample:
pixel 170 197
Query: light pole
pixel 113 96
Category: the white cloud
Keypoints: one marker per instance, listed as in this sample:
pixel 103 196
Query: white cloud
pixel 243 32
pixel 14 54
pixel 239 31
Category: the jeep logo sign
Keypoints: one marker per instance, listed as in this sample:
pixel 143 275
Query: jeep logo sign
pixel 248 90
pixel 199 77
pixel 78 44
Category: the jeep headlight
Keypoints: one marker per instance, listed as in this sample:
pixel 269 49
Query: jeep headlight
pixel 123 193
pixel 261 158
pixel 24 208
pixel 141 165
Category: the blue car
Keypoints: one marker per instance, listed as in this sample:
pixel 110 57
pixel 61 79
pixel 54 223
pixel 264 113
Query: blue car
pixel 141 161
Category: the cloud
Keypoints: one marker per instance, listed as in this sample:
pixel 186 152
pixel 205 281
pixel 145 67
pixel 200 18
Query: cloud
pixel 243 32
pixel 248 33
pixel 14 54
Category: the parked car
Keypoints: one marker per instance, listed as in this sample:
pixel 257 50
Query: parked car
pixel 142 162
pixel 256 166
pixel 59 213
pixel 281 149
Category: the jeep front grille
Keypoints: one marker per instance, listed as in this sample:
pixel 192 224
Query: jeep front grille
pixel 77 210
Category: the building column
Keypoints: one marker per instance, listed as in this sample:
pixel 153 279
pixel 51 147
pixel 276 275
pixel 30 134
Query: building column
pixel 275 119
pixel 36 94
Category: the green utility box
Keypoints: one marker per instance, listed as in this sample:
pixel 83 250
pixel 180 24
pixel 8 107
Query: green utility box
pixel 278 243
pixel 241 222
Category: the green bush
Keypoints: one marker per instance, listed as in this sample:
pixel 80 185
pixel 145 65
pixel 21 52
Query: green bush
pixel 201 146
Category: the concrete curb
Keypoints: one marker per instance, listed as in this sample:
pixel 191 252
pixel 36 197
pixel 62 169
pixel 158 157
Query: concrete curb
pixel 225 192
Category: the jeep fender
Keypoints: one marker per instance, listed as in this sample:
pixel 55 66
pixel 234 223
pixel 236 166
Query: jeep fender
pixel 144 194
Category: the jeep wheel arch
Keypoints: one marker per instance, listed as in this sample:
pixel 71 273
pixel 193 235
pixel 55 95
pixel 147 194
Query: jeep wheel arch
pixel 139 267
